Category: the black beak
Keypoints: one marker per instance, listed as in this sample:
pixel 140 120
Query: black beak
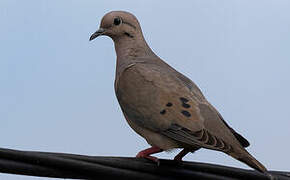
pixel 99 32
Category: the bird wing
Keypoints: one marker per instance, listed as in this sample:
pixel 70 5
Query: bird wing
pixel 197 92
pixel 154 98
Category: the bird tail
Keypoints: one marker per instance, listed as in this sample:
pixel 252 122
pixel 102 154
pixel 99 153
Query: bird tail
pixel 247 158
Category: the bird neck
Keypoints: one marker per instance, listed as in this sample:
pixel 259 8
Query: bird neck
pixel 130 48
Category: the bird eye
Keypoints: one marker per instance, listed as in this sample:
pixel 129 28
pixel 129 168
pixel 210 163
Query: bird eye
pixel 117 21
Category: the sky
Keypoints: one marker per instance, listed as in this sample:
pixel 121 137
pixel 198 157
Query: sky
pixel 56 87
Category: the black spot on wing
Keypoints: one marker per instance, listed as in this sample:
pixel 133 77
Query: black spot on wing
pixel 169 104
pixel 183 100
pixel 163 112
pixel 185 105
pixel 186 113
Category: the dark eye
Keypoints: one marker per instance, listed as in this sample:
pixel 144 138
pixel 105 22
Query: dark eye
pixel 117 21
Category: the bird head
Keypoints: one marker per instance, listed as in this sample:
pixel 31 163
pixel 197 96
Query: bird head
pixel 118 25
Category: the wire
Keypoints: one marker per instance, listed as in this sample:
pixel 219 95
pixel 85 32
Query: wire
pixel 60 165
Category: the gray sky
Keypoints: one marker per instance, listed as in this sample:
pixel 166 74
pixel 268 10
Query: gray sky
pixel 56 87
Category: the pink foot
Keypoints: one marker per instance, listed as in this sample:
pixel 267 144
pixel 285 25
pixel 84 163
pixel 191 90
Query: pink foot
pixel 147 152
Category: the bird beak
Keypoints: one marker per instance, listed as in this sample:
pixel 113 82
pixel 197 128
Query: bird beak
pixel 99 32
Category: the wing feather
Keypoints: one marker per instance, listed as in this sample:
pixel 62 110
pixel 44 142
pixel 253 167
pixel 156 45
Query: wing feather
pixel 200 138
pixel 143 92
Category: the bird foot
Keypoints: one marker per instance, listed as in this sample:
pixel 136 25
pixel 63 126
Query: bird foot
pixel 151 158
pixel 146 154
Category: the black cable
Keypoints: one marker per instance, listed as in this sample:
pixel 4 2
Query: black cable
pixel 60 165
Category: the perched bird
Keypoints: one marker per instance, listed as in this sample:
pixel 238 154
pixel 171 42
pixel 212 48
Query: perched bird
pixel 161 104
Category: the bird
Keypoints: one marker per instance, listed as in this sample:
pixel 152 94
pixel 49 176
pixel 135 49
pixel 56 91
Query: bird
pixel 161 104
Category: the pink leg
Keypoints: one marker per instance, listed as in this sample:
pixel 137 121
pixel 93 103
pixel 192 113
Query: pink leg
pixel 147 152
pixel 180 155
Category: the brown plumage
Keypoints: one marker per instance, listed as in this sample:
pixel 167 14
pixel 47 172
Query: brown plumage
pixel 161 104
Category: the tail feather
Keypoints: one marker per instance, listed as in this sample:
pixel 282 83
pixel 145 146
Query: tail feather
pixel 248 159
pixel 252 162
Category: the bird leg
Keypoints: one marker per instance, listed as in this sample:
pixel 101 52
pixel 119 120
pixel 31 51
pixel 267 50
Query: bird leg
pixel 147 152
pixel 180 155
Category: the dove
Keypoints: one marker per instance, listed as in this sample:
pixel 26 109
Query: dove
pixel 162 105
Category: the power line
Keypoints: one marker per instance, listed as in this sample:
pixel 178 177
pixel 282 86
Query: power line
pixel 60 165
